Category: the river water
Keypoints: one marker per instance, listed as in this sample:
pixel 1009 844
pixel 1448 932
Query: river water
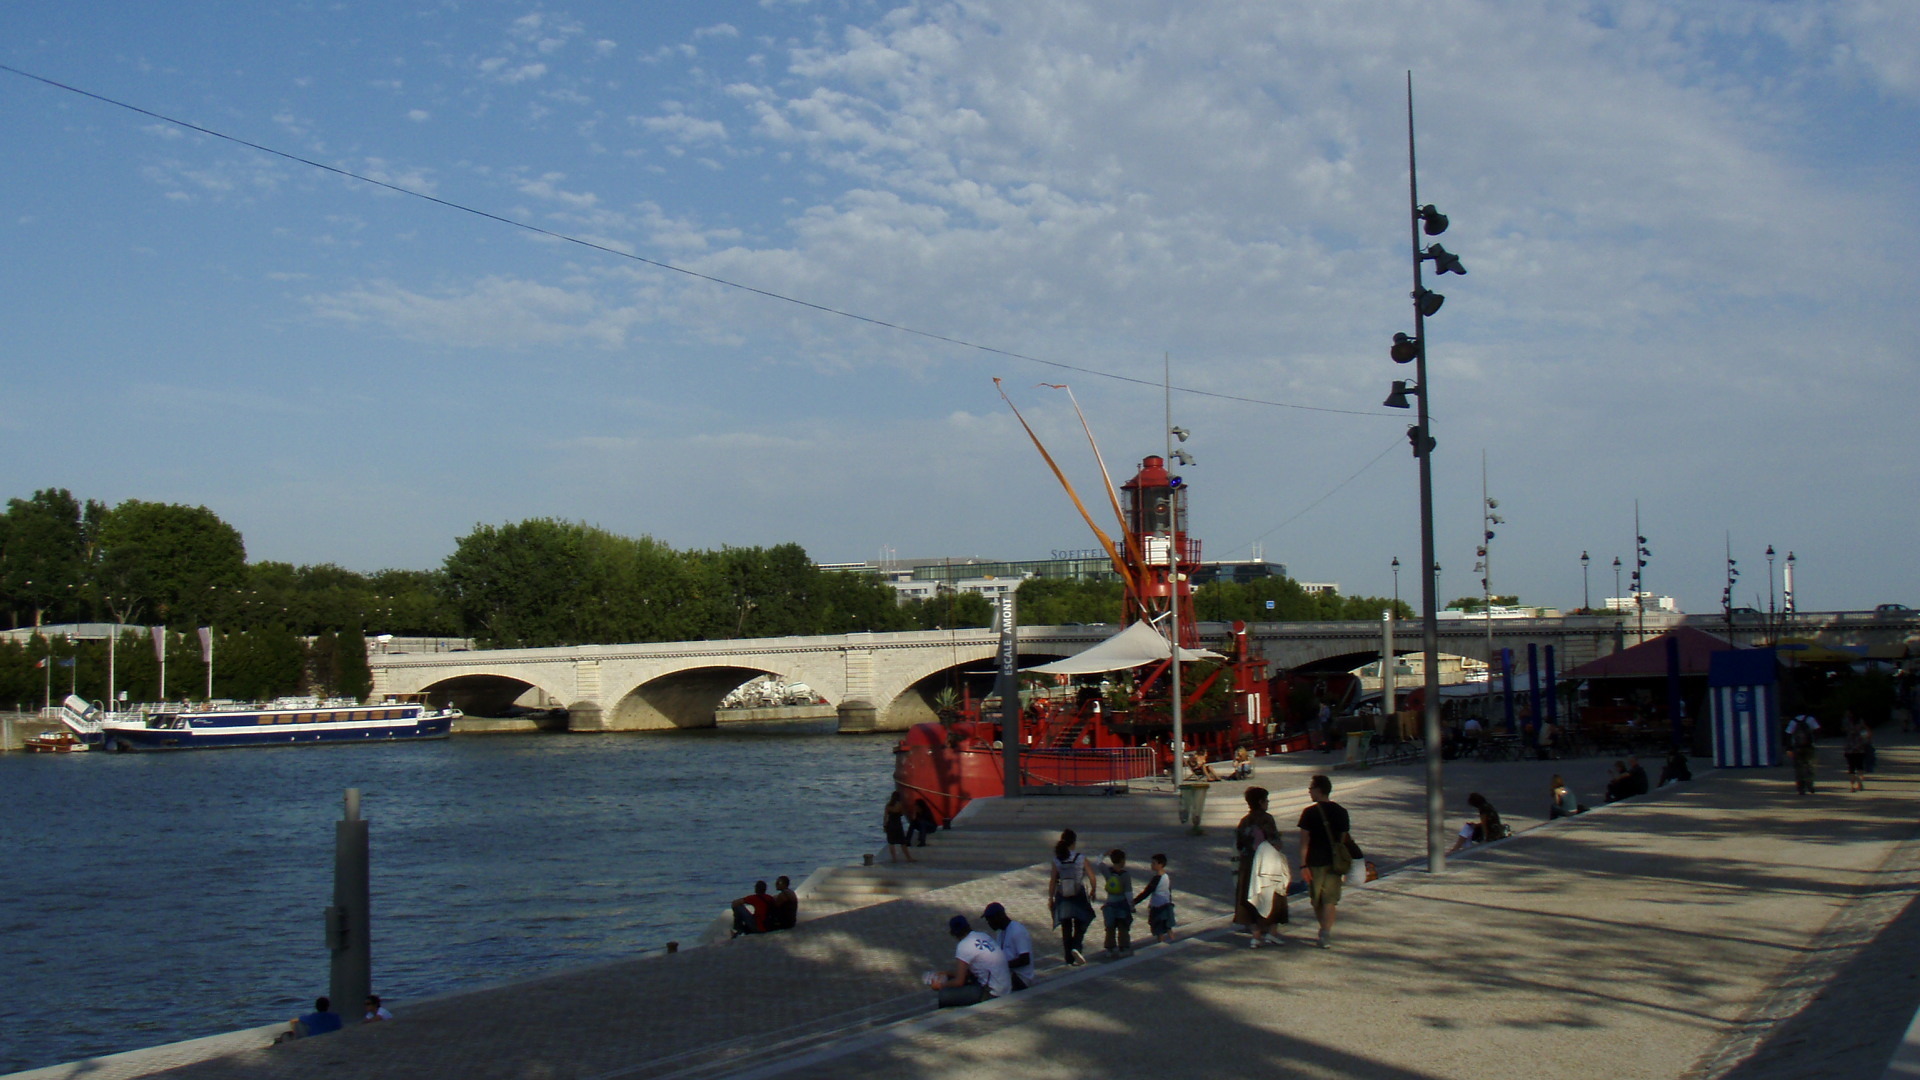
pixel 146 898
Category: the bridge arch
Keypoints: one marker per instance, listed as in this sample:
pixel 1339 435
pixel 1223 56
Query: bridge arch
pixel 916 702
pixel 683 698
pixel 490 693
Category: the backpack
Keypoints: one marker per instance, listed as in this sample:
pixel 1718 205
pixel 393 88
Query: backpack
pixel 1070 874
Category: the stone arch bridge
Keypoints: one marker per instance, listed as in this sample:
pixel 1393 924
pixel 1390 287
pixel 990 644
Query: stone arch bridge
pixel 886 682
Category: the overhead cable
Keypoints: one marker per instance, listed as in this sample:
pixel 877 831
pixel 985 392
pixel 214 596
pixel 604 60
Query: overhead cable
pixel 582 242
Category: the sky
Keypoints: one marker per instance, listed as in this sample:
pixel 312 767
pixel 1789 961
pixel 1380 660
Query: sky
pixel 1688 230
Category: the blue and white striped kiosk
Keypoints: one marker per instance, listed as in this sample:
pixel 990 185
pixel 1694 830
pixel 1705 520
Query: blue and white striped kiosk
pixel 1744 692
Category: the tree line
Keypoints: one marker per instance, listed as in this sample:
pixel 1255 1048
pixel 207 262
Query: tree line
pixel 531 583
pixel 165 564
pixel 248 665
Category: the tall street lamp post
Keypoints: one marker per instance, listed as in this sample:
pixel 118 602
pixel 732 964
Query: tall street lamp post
pixel 1396 586
pixel 1770 604
pixel 1586 597
pixel 1414 350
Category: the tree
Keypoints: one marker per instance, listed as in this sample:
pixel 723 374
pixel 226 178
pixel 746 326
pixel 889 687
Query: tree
pixel 43 556
pixel 180 564
pixel 1479 603
pixel 1056 602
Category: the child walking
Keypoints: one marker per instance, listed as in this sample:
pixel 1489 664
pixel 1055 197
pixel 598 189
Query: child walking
pixel 1159 889
pixel 1117 909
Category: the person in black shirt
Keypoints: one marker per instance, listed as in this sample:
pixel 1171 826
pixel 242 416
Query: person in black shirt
pixel 1323 825
pixel 1636 778
pixel 784 912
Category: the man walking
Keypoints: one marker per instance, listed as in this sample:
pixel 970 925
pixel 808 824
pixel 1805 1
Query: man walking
pixel 1323 829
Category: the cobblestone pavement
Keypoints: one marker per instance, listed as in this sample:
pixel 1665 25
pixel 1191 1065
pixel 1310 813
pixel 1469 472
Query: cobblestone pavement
pixel 1724 929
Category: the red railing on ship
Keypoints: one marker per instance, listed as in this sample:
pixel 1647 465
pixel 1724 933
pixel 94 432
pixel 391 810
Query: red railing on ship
pixel 1089 768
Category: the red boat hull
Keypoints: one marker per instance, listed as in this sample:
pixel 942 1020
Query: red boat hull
pixel 947 777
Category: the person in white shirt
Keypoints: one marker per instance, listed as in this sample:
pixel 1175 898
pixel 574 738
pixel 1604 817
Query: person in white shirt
pixel 979 968
pixel 1015 943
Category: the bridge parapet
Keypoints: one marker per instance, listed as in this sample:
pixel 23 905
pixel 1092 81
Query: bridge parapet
pixel 886 681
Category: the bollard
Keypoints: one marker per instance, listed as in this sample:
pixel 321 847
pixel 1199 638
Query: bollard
pixel 347 920
pixel 1193 806
pixel 867 859
pixel 672 947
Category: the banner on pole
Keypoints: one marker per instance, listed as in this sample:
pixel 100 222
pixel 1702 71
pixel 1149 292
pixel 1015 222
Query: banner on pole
pixel 1008 684
pixel 159 643
pixel 206 644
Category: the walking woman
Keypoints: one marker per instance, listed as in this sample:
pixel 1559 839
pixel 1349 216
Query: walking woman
pixel 1255 830
pixel 1069 885
pixel 1856 752
pixel 894 820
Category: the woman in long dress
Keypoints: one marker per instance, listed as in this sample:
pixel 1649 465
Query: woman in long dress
pixel 1257 828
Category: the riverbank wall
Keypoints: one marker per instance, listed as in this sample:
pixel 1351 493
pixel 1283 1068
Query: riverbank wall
pixel 17 727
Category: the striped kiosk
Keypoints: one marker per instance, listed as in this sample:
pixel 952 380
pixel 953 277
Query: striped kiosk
pixel 1744 691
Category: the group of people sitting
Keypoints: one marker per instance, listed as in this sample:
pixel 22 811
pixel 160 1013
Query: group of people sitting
pixel 761 912
pixel 324 1021
pixel 1199 768
pixel 987 963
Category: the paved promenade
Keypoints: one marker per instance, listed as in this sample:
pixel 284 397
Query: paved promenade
pixel 1726 928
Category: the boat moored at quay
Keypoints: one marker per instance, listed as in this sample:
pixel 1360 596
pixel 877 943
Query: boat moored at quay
pixel 1105 716
pixel 283 722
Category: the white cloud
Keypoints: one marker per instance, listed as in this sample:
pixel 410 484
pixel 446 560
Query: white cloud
pixel 419 116
pixel 412 178
pixel 683 128
pixel 495 312
pixel 720 30
pixel 503 70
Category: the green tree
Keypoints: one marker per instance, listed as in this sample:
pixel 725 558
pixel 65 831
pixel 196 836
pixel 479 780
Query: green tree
pixel 179 565
pixel 955 611
pixel 348 672
pixel 43 567
pixel 1056 602
pixel 1479 603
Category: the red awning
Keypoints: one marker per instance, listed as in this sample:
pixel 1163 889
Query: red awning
pixel 1649 658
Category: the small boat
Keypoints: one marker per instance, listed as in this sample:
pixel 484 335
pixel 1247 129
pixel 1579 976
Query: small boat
pixel 283 722
pixel 54 742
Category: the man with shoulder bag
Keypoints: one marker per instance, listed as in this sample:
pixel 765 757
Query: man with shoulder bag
pixel 1327 852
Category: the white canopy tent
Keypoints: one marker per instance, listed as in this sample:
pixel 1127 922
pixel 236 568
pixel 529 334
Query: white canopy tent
pixel 1136 645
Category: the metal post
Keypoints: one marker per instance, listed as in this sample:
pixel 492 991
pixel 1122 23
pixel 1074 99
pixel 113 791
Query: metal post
pixel 348 919
pixel 111 642
pixel 1430 623
pixel 1173 580
pixel 1173 631
pixel 1010 725
pixel 1389 686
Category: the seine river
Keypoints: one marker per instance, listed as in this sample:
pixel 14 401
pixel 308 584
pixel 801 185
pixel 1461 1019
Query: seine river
pixel 147 898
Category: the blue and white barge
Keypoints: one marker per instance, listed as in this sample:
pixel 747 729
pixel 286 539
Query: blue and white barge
pixel 284 722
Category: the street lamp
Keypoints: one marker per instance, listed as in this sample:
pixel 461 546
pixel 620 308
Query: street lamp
pixel 1586 597
pixel 1396 586
pixel 1616 577
pixel 1786 589
pixel 1770 605
pixel 1413 350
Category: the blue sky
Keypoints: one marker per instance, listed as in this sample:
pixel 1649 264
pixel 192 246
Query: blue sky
pixel 1688 232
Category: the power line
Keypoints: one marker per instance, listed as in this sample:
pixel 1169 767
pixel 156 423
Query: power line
pixel 1329 494
pixel 768 293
